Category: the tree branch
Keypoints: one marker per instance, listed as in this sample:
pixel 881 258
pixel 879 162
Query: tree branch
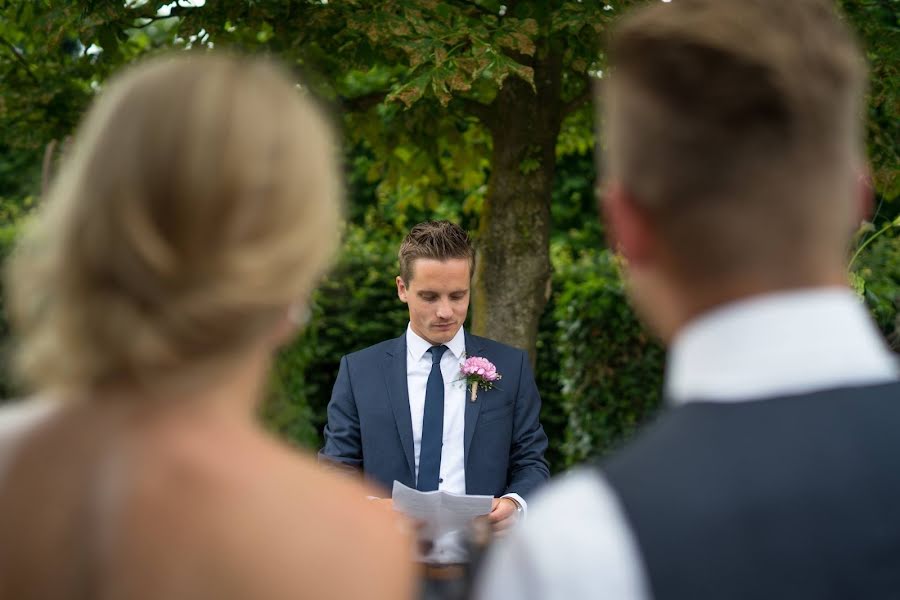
pixel 364 102
pixel 175 12
pixel 482 112
pixel 151 20
pixel 474 4
pixel 15 51
pixel 579 100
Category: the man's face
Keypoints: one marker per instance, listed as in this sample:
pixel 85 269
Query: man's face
pixel 438 297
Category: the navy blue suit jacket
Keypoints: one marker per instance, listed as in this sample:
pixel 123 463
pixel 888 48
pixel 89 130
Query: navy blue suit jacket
pixel 369 426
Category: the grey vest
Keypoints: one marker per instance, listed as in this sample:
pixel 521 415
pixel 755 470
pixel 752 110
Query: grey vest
pixel 794 497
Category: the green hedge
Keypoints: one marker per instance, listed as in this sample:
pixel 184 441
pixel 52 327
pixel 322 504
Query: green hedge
pixel 355 306
pixel 878 268
pixel 7 238
pixel 610 369
pixel 598 371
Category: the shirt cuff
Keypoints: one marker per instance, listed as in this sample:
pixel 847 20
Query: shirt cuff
pixel 520 501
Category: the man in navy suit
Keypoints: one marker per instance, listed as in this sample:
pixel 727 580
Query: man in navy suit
pixel 400 410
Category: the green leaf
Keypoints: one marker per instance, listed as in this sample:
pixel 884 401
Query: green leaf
pixel 265 33
pixel 858 284
pixel 410 92
pixel 403 153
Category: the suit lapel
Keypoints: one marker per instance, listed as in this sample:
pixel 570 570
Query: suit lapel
pixel 473 409
pixel 398 393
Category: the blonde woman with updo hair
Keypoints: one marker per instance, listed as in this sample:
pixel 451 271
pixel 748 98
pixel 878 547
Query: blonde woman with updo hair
pixel 175 252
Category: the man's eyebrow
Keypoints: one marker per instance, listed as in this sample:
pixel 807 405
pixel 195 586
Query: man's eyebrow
pixel 424 292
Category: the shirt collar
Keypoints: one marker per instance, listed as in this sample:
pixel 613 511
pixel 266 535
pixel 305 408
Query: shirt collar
pixel 418 347
pixel 778 344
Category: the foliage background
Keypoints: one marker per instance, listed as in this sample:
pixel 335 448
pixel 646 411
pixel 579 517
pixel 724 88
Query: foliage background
pixel 420 145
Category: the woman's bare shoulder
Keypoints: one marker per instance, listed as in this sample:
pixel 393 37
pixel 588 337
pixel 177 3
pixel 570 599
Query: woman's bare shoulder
pixel 17 419
pixel 20 415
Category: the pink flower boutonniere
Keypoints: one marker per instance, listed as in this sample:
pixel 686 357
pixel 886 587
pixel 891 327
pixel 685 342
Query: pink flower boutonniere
pixel 479 372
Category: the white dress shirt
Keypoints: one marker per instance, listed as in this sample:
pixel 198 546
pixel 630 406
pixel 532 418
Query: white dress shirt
pixel 452 476
pixel 577 542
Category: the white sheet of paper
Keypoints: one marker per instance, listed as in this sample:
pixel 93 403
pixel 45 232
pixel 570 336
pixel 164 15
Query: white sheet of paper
pixel 442 512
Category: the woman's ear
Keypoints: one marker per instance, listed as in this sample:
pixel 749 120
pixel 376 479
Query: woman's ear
pixel 295 319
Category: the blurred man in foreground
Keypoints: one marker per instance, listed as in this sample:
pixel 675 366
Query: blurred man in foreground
pixel 734 164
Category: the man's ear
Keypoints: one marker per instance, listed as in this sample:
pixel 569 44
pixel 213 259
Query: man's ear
pixel 628 228
pixel 402 291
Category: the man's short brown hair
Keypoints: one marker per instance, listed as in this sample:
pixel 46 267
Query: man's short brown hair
pixel 438 240
pixel 735 125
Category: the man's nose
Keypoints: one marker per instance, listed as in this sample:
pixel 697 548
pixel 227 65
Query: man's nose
pixel 444 311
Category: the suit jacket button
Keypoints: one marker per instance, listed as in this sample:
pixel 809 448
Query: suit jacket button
pixel 441 480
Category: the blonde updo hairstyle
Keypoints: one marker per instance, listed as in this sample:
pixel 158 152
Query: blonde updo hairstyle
pixel 197 206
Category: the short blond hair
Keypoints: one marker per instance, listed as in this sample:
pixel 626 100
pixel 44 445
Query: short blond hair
pixel 200 200
pixel 736 126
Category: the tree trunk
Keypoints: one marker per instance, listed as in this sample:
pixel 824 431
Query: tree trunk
pixel 512 273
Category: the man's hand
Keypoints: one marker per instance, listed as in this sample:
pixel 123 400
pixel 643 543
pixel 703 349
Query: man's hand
pixel 504 514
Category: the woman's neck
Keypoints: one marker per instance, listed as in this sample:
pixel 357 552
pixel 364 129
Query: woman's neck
pixel 231 393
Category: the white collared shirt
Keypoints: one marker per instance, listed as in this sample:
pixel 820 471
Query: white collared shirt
pixel 788 343
pixel 418 368
pixel 577 542
pixel 452 476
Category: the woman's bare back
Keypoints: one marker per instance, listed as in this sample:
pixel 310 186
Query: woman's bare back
pixel 117 501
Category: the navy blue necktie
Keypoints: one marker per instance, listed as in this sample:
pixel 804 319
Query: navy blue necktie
pixel 432 425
